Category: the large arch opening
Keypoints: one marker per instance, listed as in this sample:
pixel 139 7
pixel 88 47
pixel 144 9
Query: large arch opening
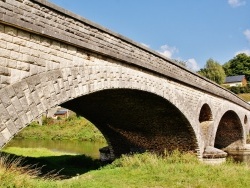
pixel 136 121
pixel 229 133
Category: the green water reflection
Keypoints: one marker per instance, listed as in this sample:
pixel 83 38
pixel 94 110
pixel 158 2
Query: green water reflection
pixel 91 148
pixel 87 148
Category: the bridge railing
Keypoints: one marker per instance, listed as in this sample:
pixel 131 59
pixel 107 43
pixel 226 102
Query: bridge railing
pixel 46 19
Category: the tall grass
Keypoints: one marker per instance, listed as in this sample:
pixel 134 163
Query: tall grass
pixel 52 163
pixel 153 160
pixel 148 170
pixel 15 173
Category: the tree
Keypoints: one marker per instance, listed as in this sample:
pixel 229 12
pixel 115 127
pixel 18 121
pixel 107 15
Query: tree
pixel 180 62
pixel 239 65
pixel 227 69
pixel 213 71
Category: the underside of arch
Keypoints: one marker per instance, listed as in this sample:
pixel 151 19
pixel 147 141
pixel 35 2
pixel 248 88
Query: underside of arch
pixel 229 133
pixel 136 121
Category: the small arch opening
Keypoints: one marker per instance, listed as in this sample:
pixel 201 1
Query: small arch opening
pixel 205 120
pixel 205 114
pixel 245 120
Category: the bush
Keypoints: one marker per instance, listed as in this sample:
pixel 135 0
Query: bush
pixel 239 89
pixel 235 89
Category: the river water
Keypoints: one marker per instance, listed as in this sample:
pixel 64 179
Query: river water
pixel 90 148
pixel 240 156
pixel 75 147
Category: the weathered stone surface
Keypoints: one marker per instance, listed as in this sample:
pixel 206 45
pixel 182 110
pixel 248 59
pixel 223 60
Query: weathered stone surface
pixel 211 152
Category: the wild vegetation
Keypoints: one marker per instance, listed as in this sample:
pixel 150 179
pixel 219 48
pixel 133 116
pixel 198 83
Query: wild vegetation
pixel 239 65
pixel 60 165
pixel 213 71
pixel 73 128
pixel 140 170
pixel 240 89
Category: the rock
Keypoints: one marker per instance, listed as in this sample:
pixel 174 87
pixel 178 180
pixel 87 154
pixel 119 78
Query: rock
pixel 211 152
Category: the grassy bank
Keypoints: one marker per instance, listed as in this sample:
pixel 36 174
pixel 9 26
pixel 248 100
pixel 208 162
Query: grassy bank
pixel 245 96
pixel 64 165
pixel 73 128
pixel 143 170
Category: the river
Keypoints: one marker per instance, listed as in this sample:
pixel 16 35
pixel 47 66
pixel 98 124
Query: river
pixel 241 156
pixel 75 147
pixel 89 148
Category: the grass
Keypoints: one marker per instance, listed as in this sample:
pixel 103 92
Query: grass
pixel 73 128
pixel 15 173
pixel 147 170
pixel 245 96
pixel 64 165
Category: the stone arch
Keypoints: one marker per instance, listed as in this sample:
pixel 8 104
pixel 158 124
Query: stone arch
pixel 136 121
pixel 206 123
pixel 230 132
pixel 205 113
pixel 22 102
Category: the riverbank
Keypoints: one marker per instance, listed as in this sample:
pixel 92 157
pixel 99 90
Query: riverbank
pixel 144 170
pixel 141 170
pixel 73 128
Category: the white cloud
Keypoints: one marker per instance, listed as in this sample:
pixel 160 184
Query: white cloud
pixel 247 34
pixel 192 64
pixel 146 45
pixel 247 52
pixel 167 51
pixel 236 3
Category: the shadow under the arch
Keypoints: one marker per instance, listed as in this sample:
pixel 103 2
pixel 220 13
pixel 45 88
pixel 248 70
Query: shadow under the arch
pixel 59 167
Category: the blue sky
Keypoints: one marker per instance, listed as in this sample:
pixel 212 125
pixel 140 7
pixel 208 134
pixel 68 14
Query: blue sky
pixel 189 30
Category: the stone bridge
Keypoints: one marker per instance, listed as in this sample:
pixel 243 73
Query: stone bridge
pixel 137 98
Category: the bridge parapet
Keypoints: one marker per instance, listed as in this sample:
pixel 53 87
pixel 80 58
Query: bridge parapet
pixel 46 19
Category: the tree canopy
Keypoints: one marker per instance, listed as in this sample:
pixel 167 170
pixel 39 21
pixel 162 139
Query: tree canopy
pixel 239 65
pixel 213 71
pixel 180 62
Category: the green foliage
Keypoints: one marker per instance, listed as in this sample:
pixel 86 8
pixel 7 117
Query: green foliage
pixel 213 71
pixel 239 89
pixel 73 128
pixel 239 65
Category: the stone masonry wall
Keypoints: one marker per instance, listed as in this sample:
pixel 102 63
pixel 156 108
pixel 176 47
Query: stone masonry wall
pixel 44 18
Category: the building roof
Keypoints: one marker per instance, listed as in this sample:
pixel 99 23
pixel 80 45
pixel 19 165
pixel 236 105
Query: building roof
pixel 61 112
pixel 231 79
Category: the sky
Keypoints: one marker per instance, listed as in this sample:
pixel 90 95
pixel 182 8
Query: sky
pixel 187 30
